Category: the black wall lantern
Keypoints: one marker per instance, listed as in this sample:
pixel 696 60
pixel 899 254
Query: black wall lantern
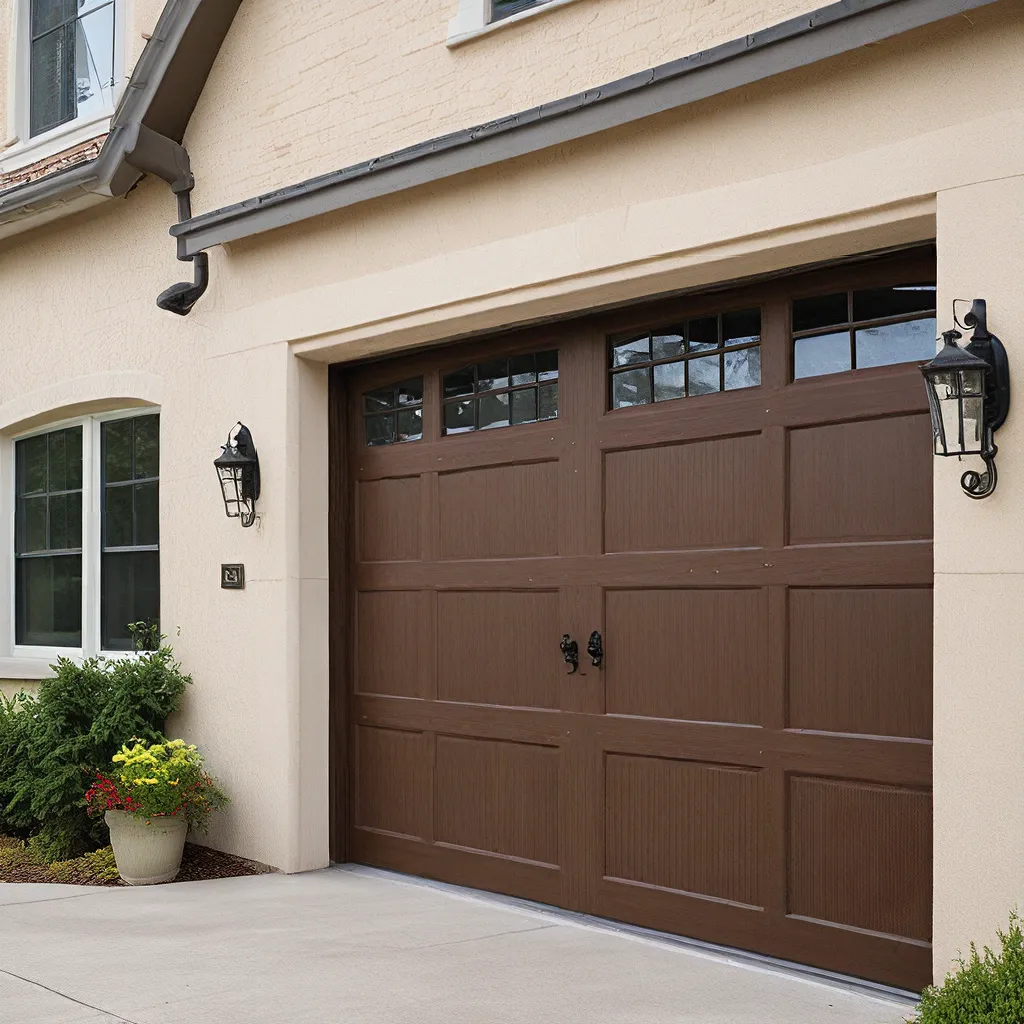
pixel 969 397
pixel 238 468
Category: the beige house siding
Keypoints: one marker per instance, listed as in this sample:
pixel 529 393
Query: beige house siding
pixel 327 86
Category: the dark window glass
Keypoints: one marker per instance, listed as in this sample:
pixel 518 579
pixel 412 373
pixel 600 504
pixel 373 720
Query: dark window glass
pixel 878 327
pixel 130 554
pixel 506 8
pixel 48 539
pixel 130 593
pixel 71 63
pixel 879 303
pixel 702 356
pixel 820 311
pixel 505 392
pixel 394 414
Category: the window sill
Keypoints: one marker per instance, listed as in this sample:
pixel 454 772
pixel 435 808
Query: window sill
pixel 54 142
pixel 28 669
pixel 462 29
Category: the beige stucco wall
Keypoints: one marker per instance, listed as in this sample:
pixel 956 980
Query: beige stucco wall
pixel 979 593
pixel 869 150
pixel 367 78
pixel 98 333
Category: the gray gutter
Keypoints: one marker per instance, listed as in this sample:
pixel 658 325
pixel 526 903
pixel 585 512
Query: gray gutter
pixel 165 66
pixel 826 32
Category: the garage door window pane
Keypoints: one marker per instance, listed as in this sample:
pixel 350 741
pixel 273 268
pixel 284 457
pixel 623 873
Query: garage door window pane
pixel 826 353
pixel 896 343
pixel 880 327
pixel 506 392
pixel 742 369
pixel 393 414
pixel 705 355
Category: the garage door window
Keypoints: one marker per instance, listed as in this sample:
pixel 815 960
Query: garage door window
pixel 394 414
pixel 502 393
pixel 856 329
pixel 702 356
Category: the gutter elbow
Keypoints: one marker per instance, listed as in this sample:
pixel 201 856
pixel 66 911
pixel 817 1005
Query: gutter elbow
pixel 181 297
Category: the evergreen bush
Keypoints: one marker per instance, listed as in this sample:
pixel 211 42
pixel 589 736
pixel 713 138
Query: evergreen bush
pixel 53 744
pixel 987 989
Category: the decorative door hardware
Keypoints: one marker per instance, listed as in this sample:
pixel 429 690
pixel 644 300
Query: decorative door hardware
pixel 595 649
pixel 570 652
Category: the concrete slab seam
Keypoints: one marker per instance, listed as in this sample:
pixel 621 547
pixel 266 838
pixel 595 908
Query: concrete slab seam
pixel 70 999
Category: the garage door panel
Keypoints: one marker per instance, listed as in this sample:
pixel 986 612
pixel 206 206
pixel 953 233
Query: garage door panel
pixel 848 483
pixel 497 797
pixel 860 855
pixel 679 496
pixel 860 660
pixel 665 645
pixel 491 647
pixel 685 825
pixel 388 516
pixel 392 781
pixel 499 512
pixel 394 667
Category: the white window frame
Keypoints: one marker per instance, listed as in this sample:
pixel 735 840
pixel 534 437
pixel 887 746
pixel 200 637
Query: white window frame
pixel 18 149
pixel 92 539
pixel 474 19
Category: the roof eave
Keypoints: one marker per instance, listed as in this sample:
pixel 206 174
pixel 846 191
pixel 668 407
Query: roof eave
pixel 826 32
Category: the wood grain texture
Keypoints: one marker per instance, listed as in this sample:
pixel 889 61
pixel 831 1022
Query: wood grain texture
pixel 390 775
pixel 696 655
pixel 495 647
pixel 868 480
pixel 682 496
pixel 497 797
pixel 388 513
pixel 389 643
pixel 861 660
pixel 860 856
pixel 499 512
pixel 686 826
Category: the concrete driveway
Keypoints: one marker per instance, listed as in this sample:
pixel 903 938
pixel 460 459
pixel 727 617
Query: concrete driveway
pixel 349 945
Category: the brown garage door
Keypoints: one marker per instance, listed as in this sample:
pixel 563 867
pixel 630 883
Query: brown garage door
pixel 734 490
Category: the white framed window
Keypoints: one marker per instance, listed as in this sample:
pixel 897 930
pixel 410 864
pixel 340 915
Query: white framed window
pixel 480 17
pixel 67 69
pixel 85 534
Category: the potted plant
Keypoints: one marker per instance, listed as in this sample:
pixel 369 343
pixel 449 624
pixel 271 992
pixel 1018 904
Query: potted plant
pixel 150 799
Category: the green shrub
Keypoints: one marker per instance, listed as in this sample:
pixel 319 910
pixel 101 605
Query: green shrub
pixel 52 745
pixel 987 989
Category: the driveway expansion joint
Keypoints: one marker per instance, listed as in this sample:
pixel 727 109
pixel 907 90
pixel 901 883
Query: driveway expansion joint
pixel 64 995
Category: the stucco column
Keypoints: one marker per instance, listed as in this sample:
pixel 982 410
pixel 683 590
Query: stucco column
pixel 979 601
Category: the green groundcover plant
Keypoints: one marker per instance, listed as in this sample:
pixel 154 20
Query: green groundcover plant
pixel 157 780
pixel 53 744
pixel 988 988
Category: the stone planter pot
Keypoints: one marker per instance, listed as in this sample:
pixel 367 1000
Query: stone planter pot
pixel 146 854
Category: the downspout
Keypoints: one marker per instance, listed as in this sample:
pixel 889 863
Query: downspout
pixel 151 153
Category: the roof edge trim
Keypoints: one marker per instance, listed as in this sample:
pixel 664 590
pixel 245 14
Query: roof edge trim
pixel 826 32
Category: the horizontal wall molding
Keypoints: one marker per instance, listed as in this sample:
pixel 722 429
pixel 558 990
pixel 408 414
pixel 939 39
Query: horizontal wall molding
pixel 826 32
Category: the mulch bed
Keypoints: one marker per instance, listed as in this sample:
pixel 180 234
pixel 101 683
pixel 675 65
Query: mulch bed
pixel 198 864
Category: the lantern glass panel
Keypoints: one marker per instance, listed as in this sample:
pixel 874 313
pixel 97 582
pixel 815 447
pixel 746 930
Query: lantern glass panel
pixel 973 424
pixel 973 382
